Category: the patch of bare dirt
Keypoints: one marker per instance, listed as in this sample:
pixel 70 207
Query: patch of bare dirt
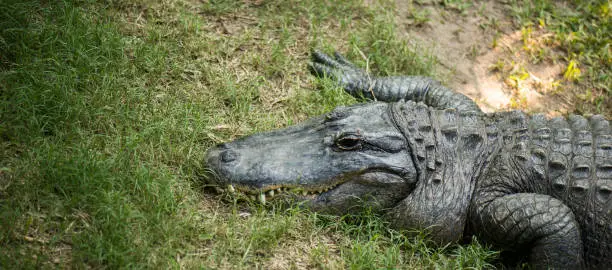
pixel 486 56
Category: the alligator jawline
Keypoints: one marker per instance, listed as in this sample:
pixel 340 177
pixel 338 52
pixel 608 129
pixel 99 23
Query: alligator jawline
pixel 307 191
pixel 283 188
pixel 270 191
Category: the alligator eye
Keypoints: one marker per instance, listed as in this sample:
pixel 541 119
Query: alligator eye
pixel 349 142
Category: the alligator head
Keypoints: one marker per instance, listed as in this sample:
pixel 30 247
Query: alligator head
pixel 353 156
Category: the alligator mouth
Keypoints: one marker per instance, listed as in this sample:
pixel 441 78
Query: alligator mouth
pixel 263 195
pixel 273 191
pixel 303 192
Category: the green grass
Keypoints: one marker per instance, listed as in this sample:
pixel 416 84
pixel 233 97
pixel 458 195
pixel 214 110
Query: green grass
pixel 106 111
pixel 581 29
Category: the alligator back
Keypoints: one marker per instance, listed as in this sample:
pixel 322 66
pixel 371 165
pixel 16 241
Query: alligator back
pixel 569 159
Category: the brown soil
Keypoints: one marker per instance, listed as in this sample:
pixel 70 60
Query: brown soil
pixel 479 48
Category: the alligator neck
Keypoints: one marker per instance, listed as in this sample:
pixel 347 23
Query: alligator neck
pixel 438 139
pixel 449 149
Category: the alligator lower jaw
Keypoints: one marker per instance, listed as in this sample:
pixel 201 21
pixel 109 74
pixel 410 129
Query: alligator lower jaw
pixel 265 193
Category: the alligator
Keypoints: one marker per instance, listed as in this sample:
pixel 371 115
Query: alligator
pixel 427 158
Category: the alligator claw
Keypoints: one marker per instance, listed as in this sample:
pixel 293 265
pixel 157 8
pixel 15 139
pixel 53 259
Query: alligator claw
pixel 320 57
pixel 342 60
pixel 335 63
pixel 321 70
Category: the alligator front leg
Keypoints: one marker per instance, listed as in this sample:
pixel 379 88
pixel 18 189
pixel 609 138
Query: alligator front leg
pixel 417 88
pixel 539 222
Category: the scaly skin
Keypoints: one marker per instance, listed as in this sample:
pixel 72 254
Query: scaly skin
pixel 430 159
pixel 389 89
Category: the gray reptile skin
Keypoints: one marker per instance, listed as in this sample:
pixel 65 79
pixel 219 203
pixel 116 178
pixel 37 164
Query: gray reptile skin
pixel 428 158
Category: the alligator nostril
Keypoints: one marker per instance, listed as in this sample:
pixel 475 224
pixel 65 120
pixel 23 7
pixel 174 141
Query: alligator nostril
pixel 222 146
pixel 228 156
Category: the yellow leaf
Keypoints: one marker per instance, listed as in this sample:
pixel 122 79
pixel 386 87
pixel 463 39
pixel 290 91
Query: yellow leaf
pixel 572 72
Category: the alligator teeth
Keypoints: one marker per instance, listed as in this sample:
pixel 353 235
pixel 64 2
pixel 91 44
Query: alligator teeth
pixel 262 198
pixel 231 189
pixel 271 193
